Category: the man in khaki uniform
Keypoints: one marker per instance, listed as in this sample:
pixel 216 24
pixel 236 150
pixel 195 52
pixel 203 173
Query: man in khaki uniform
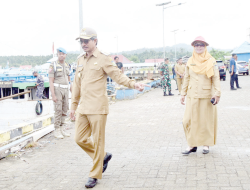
pixel 89 91
pixel 59 81
pixel 180 73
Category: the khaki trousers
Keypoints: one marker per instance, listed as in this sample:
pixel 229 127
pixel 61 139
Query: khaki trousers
pixel 95 124
pixel 179 83
pixel 61 106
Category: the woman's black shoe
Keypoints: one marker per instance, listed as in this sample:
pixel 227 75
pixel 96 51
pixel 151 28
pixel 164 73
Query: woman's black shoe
pixel 189 151
pixel 205 151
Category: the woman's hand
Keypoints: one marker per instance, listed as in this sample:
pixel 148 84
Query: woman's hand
pixel 216 99
pixel 182 100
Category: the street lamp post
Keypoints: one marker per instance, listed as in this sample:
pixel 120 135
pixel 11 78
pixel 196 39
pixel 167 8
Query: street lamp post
pixel 116 44
pixel 163 25
pixel 175 31
pixel 175 42
pixel 80 21
pixel 163 20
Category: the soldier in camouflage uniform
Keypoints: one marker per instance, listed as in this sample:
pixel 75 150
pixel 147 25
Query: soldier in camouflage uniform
pixel 159 69
pixel 39 85
pixel 166 81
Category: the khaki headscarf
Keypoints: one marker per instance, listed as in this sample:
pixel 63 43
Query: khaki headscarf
pixel 202 63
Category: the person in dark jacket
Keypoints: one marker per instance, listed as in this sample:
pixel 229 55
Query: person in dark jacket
pixel 232 71
pixel 39 85
pixel 173 71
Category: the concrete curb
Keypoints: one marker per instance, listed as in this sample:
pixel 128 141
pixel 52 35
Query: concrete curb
pixel 24 128
pixel 23 141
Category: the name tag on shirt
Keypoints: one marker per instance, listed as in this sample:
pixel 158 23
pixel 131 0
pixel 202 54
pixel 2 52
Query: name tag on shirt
pixel 80 65
pixel 192 64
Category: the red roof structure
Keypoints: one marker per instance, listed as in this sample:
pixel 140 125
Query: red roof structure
pixel 27 67
pixel 122 58
pixel 154 60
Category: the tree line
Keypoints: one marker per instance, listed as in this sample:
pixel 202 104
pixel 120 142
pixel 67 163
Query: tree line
pixel 16 61
pixel 152 54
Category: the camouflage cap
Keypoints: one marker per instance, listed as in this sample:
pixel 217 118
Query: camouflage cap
pixel 87 33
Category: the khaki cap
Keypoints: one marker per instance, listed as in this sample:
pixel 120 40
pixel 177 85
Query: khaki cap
pixel 87 33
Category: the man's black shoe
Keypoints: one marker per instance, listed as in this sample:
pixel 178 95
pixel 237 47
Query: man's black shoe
pixel 233 89
pixel 165 94
pixel 239 87
pixel 91 182
pixel 107 158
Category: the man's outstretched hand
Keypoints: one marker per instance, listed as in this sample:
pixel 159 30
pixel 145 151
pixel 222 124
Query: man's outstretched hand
pixel 140 86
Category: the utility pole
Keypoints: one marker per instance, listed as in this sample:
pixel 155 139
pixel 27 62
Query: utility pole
pixel 80 21
pixel 175 31
pixel 249 34
pixel 116 44
pixel 163 25
pixel 163 20
pixel 175 41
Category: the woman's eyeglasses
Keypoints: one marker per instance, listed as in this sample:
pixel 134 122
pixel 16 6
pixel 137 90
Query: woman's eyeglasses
pixel 201 45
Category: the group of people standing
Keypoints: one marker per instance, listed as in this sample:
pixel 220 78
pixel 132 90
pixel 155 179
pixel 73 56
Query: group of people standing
pixel 178 69
pixel 89 97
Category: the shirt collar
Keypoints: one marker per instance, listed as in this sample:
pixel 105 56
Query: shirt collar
pixel 95 53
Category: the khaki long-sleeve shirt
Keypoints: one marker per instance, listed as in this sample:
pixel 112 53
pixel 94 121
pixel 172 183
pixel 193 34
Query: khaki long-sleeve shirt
pixel 180 69
pixel 200 86
pixel 90 83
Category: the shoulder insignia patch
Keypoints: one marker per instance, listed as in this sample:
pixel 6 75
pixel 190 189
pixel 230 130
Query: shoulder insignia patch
pixel 80 55
pixel 114 64
pixel 50 68
pixel 105 53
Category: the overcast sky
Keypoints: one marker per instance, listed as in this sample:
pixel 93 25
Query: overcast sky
pixel 29 27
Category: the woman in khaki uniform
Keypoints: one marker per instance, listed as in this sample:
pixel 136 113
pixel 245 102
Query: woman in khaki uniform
pixel 201 85
pixel 180 72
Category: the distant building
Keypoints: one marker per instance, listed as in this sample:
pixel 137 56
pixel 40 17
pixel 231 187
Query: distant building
pixel 243 52
pixel 122 58
pixel 154 60
pixel 26 67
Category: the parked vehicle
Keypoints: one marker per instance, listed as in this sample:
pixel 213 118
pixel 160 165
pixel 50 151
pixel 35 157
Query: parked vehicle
pixel 243 67
pixel 222 69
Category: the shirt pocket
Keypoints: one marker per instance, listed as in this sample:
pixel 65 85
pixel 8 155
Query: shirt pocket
pixel 206 87
pixel 59 71
pixel 95 72
pixel 206 91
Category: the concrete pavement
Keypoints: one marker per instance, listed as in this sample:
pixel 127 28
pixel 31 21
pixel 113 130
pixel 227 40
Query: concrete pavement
pixel 146 137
